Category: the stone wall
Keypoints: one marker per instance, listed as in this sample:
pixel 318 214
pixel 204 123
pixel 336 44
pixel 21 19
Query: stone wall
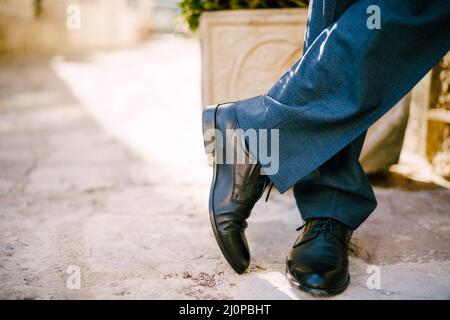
pixel 25 27
pixel 438 133
pixel 31 26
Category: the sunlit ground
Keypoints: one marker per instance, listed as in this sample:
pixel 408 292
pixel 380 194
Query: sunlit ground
pixel 102 167
pixel 148 99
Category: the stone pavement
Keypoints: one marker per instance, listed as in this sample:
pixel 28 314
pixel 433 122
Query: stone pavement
pixel 102 168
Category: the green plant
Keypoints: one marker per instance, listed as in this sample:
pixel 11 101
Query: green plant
pixel 192 9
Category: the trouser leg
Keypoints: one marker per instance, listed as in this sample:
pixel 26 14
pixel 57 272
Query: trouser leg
pixel 339 188
pixel 346 80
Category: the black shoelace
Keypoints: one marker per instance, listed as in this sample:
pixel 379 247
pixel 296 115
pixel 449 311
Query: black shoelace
pixel 268 192
pixel 325 225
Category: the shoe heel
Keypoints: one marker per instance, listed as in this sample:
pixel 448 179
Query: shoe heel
pixel 208 126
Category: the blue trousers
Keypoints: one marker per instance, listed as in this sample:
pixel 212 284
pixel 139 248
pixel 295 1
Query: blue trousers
pixel 349 76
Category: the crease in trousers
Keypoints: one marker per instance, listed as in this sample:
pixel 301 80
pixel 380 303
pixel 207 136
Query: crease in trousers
pixel 347 78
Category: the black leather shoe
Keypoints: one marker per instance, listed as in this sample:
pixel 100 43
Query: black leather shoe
pixel 318 262
pixel 235 188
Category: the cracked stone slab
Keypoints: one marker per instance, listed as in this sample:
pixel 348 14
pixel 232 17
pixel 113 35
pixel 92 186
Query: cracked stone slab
pixel 95 183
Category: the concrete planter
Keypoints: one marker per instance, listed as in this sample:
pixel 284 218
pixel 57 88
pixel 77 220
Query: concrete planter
pixel 244 52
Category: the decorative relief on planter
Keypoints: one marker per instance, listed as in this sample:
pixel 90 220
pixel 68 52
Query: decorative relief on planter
pixel 245 52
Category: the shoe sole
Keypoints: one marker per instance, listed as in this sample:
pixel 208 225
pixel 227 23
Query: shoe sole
pixel 209 123
pixel 316 292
